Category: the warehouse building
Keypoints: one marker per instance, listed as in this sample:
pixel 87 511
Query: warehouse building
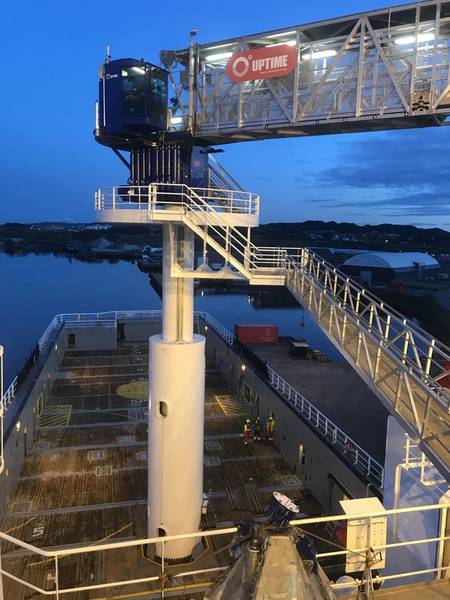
pixel 384 267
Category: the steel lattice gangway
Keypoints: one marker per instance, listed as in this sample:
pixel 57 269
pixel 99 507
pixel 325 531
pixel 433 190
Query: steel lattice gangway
pixel 384 69
pixel 403 364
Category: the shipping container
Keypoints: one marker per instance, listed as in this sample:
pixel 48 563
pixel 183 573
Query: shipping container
pixel 256 334
pixel 445 381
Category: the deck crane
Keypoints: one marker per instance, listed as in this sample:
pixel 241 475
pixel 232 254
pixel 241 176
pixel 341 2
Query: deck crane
pixel 381 70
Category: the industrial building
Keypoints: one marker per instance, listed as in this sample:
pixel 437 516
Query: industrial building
pixel 384 267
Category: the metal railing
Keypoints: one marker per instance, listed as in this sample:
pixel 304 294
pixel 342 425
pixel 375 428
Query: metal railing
pixel 166 196
pixel 401 362
pixel 55 559
pixel 345 445
pixel 220 176
pixel 439 570
pixel 202 210
pixel 9 394
pixel 350 451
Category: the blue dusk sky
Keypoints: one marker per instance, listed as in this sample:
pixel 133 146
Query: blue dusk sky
pixel 50 164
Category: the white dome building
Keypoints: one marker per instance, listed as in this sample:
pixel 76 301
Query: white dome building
pixel 383 267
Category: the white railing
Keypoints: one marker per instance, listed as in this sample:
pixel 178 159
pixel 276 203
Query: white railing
pixel 219 174
pixel 203 210
pixel 48 334
pixel 439 570
pixel 55 559
pixel 412 345
pixel 352 452
pixel 166 196
pixel 9 394
pixel 405 365
pixel 344 444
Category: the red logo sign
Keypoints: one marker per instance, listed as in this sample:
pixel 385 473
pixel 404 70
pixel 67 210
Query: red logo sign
pixel 262 63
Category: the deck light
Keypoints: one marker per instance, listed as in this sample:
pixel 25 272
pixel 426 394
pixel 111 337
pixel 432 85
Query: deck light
pixel 176 120
pixel 410 39
pixel 281 34
pixel 218 57
pixel 139 70
pixel 319 54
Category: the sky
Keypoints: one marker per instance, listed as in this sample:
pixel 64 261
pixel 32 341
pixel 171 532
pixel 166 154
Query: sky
pixel 50 164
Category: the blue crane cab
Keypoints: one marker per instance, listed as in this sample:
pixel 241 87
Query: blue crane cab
pixel 132 101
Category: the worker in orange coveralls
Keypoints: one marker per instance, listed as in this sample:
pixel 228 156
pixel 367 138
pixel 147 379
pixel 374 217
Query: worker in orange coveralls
pixel 270 427
pixel 247 429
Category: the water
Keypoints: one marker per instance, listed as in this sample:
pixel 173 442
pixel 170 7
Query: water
pixel 36 287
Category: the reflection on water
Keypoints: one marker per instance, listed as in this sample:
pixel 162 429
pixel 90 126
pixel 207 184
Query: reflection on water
pixel 36 287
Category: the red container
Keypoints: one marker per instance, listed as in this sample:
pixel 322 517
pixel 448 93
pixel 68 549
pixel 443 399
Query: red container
pixel 256 334
pixel 445 381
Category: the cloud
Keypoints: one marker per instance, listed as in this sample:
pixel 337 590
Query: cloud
pixel 400 174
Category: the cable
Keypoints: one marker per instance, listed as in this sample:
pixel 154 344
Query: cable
pixel 21 525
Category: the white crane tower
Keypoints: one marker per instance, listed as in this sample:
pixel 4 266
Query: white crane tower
pixel 386 69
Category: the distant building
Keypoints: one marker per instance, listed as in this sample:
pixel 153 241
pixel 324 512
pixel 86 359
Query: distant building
pixel 384 267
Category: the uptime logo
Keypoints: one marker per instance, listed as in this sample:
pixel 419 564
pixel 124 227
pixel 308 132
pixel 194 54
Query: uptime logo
pixel 262 63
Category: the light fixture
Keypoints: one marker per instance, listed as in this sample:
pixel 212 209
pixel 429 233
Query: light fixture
pixel 281 34
pixel 176 120
pixel 218 56
pixel 289 43
pixel 206 327
pixel 319 54
pixel 18 426
pixel 243 367
pixel 139 70
pixel 405 40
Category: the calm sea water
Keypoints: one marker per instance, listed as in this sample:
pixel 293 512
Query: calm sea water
pixel 36 287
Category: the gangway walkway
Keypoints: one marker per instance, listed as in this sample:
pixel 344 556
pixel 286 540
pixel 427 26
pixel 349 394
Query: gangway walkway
pixel 403 364
pixel 382 69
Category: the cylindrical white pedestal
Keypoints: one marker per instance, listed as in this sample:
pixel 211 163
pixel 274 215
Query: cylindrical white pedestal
pixel 175 459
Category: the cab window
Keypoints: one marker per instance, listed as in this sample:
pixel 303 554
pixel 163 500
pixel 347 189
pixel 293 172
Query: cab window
pixel 133 90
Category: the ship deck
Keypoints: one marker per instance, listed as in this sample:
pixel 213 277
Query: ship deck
pixel 336 390
pixel 85 480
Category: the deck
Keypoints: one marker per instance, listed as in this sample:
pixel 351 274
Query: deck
pixel 85 479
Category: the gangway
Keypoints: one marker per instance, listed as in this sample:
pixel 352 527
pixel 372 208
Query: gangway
pixel 403 364
pixel 377 70
pixel 383 69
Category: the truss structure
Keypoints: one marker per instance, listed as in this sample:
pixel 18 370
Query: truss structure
pixel 403 364
pixel 386 69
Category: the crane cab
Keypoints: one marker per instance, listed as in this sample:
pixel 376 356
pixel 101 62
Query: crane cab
pixel 132 101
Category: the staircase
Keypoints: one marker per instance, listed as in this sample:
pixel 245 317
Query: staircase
pixel 403 364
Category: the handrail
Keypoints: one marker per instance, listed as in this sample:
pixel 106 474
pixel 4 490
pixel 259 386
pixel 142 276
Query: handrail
pixel 404 365
pixel 415 348
pixel 221 172
pixel 350 450
pixel 57 555
pixel 10 394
